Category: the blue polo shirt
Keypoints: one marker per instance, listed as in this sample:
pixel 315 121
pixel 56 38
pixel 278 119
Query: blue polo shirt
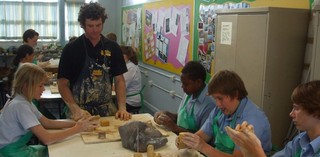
pixel 203 105
pixel 246 111
pixel 301 142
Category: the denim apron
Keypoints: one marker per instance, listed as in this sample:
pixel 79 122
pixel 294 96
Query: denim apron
pixel 20 148
pixel 93 88
pixel 185 119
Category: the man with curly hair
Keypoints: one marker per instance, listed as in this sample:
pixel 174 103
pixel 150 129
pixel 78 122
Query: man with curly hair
pixel 87 67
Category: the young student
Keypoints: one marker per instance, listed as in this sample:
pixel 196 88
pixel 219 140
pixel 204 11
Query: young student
pixel 133 80
pixel 306 116
pixel 112 36
pixel 233 107
pixel 195 106
pixel 19 118
pixel 73 38
pixel 25 54
pixel 30 37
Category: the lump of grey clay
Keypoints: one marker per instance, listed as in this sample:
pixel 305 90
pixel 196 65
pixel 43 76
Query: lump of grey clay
pixel 138 135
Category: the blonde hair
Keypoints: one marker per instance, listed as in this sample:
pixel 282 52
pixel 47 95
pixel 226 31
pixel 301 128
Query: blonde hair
pixel 26 79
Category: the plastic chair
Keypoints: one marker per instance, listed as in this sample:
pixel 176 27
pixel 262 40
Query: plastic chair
pixel 141 97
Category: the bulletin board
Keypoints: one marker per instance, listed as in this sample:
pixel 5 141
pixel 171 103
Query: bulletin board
pixel 131 27
pixel 204 28
pixel 167 34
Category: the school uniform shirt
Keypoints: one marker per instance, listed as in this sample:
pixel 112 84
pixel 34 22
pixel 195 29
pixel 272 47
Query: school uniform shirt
pixel 133 84
pixel 249 112
pixel 302 146
pixel 203 105
pixel 16 119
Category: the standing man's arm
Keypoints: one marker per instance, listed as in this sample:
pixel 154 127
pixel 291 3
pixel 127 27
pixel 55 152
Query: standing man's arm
pixel 65 92
pixel 121 98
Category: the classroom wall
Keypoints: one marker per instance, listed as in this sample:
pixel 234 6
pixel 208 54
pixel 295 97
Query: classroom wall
pixel 158 97
pixel 163 89
pixel 113 10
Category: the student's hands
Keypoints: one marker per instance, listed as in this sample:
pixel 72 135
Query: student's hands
pixel 191 140
pixel 123 115
pixel 156 117
pixel 87 123
pixel 43 64
pixel 244 137
pixel 163 119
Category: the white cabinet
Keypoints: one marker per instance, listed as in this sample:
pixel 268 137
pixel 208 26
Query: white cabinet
pixel 315 63
pixel 266 47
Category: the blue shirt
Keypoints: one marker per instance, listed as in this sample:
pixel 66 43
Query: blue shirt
pixel 246 111
pixel 16 119
pixel 301 142
pixel 204 104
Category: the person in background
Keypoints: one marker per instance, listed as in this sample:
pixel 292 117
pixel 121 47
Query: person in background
pixel 195 106
pixel 306 117
pixel 87 66
pixel 132 79
pixel 25 54
pixel 19 118
pixel 73 38
pixel 30 37
pixel 233 107
pixel 112 36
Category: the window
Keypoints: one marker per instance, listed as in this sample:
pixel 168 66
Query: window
pixel 16 16
pixel 72 27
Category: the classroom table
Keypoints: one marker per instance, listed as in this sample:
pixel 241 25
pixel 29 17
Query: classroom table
pixel 50 100
pixel 51 97
pixel 74 146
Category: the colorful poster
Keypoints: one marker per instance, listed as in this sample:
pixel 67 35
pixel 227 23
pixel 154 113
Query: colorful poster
pixel 167 35
pixel 131 27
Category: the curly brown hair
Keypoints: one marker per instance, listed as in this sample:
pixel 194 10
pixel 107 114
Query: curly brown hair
pixel 92 11
pixel 307 95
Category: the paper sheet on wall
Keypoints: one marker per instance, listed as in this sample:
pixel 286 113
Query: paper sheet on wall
pixel 182 50
pixel 154 20
pixel 167 21
pixel 184 20
pixel 226 33
pixel 138 29
pixel 175 18
pixel 160 21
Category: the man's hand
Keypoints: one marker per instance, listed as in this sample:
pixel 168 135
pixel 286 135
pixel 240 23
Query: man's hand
pixel 79 113
pixel 123 115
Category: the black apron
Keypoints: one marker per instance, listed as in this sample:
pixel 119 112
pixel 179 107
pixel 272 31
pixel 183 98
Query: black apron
pixel 93 89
